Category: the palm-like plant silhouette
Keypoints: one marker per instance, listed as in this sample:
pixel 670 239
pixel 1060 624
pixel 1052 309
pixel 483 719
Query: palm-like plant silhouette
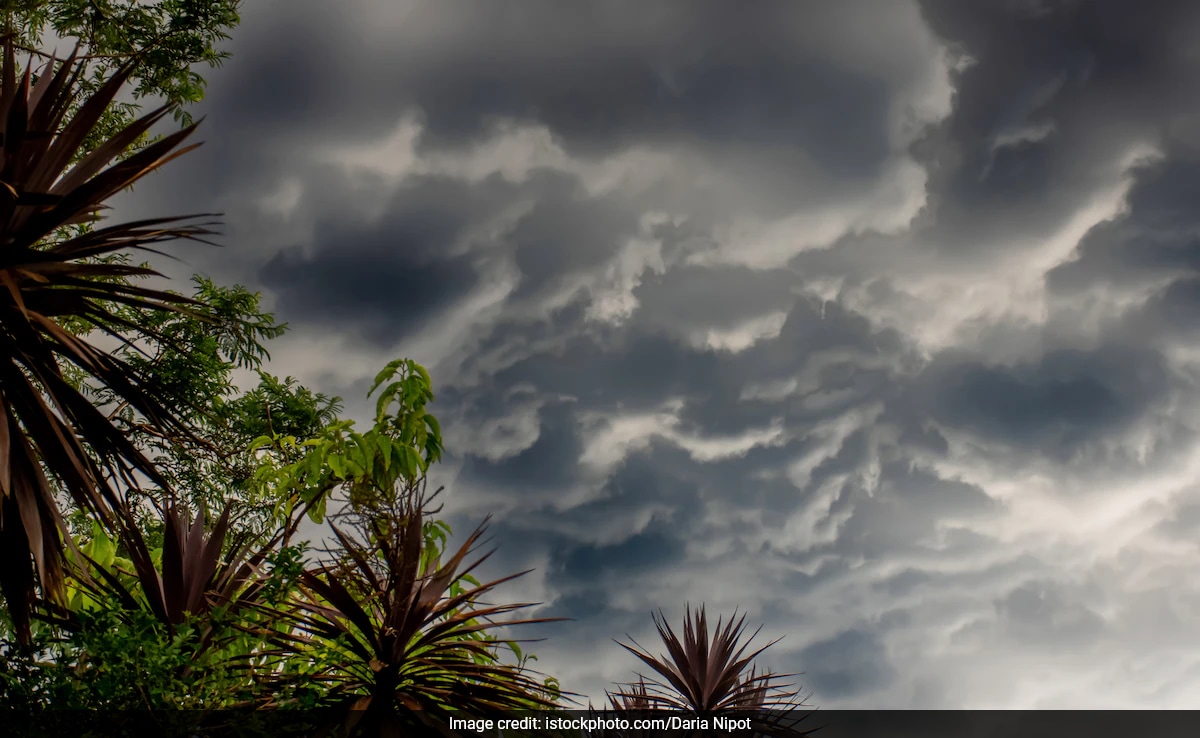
pixel 200 596
pixel 194 577
pixel 51 434
pixel 703 675
pixel 414 642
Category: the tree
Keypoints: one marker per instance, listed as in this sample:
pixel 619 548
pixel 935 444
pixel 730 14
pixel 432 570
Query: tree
pixel 224 331
pixel 163 407
pixel 48 427
pixel 61 279
pixel 146 600
pixel 408 642
pixel 165 40
pixel 390 618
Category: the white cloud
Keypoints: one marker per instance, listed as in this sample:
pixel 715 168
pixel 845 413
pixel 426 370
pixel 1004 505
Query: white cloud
pixel 888 205
pixel 940 306
pixel 609 438
pixel 743 336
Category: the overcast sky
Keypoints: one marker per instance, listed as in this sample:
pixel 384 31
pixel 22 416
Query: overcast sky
pixel 877 321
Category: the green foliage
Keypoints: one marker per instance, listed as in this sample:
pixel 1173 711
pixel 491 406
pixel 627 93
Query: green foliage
pixel 100 553
pixel 196 354
pixel 372 467
pixel 110 656
pixel 167 39
pixel 50 429
pixel 119 660
pixel 264 630
pixel 408 645
pixel 135 608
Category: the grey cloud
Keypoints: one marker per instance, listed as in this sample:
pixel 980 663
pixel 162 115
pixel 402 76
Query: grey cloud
pixel 1056 405
pixel 706 297
pixel 1155 237
pixel 654 365
pixel 1184 522
pixel 865 512
pixel 597 75
pixel 550 461
pixel 1149 255
pixel 565 232
pixel 646 550
pixel 903 515
pixel 427 252
pixel 814 326
pixel 651 368
pixel 1174 311
pixel 1051 613
pixel 852 662
pixel 733 94
pixel 402 294
pixel 389 276
pixel 1072 86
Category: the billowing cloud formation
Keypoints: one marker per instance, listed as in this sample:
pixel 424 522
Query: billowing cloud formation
pixel 872 319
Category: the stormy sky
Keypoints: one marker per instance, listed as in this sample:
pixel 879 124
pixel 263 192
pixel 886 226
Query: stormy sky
pixel 876 320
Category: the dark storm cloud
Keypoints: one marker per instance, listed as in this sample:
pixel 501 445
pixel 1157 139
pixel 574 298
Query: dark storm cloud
pixel 579 569
pixel 391 275
pixel 743 89
pixel 1053 92
pixel 906 511
pixel 636 369
pixel 654 366
pixel 1158 236
pixel 565 231
pixel 655 548
pixel 880 522
pixel 660 473
pixel 1150 254
pixel 642 369
pixel 692 296
pixel 736 88
pixel 812 327
pixel 397 294
pixel 599 75
pixel 297 70
pixel 1056 405
pixel 853 662
pixel 1174 311
pixel 850 519
pixel 549 463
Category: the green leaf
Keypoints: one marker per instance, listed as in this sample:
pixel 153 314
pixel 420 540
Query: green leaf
pixel 317 512
pixel 412 463
pixel 386 373
pixel 385 450
pixel 338 464
pixel 262 442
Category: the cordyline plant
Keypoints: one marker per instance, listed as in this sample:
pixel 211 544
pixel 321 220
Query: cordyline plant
pixel 703 675
pixel 412 643
pixel 51 435
pixel 200 595
pixel 190 578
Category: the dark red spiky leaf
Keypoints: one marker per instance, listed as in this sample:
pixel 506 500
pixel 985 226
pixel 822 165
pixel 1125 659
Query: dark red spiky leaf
pixel 45 279
pixel 705 674
pixel 417 645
